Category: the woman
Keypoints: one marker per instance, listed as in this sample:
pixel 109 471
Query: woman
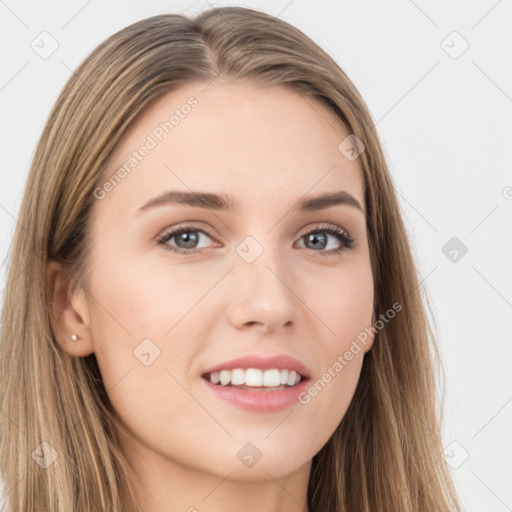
pixel 212 302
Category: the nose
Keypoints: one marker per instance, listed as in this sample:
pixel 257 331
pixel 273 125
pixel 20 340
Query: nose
pixel 263 295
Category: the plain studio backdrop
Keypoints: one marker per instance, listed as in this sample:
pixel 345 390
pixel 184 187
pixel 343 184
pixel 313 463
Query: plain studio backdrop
pixel 438 81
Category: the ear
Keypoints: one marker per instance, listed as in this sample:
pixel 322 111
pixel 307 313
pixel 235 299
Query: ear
pixel 69 311
pixel 371 338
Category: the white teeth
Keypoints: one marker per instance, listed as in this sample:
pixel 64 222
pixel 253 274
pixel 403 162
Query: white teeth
pixel 271 378
pixel 225 377
pixel 237 377
pixel 253 377
pixel 291 378
pixel 256 377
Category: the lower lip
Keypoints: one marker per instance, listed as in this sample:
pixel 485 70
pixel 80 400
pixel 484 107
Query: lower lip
pixel 261 401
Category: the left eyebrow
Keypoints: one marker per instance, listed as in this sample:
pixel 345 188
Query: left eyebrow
pixel 323 201
pixel 223 202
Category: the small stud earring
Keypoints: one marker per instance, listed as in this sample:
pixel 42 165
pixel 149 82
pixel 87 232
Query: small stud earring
pixel 74 337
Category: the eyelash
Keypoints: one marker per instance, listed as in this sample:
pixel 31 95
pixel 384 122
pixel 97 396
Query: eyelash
pixel 342 235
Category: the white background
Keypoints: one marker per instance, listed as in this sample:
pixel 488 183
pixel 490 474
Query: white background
pixel 445 126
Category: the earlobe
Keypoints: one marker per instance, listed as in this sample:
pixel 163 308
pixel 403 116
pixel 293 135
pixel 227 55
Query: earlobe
pixel 68 311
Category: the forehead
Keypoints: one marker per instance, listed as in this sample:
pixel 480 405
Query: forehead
pixel 248 138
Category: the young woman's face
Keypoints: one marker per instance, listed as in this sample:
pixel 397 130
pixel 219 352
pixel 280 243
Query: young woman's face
pixel 267 276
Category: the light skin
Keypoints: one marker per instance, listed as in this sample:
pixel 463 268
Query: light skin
pixel 266 149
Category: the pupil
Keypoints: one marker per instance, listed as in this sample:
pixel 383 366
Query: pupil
pixel 189 241
pixel 318 241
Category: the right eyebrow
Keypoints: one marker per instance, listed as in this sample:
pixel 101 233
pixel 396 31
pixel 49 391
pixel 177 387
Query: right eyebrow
pixel 198 199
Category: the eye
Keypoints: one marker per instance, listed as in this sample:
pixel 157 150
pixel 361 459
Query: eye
pixel 187 239
pixel 318 239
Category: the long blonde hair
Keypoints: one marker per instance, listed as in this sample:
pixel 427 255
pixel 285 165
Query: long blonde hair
pixel 386 454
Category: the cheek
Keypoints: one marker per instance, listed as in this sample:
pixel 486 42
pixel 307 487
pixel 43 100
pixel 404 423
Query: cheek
pixel 144 371
pixel 134 300
pixel 138 325
pixel 134 289
pixel 342 302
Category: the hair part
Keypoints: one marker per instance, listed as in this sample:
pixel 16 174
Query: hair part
pixel 386 454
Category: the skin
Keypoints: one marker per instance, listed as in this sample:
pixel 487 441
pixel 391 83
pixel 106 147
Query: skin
pixel 265 148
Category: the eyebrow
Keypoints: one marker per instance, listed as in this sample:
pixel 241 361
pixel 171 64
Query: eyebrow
pixel 223 202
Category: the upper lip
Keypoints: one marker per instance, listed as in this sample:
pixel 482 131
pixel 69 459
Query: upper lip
pixel 281 362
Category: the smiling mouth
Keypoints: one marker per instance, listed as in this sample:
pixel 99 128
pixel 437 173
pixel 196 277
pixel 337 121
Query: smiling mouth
pixel 255 379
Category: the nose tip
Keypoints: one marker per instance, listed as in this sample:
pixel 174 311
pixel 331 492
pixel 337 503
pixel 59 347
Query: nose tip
pixel 266 326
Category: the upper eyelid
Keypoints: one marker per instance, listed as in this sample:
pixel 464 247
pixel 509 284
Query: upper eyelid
pixel 185 227
pixel 324 226
pixel 195 226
